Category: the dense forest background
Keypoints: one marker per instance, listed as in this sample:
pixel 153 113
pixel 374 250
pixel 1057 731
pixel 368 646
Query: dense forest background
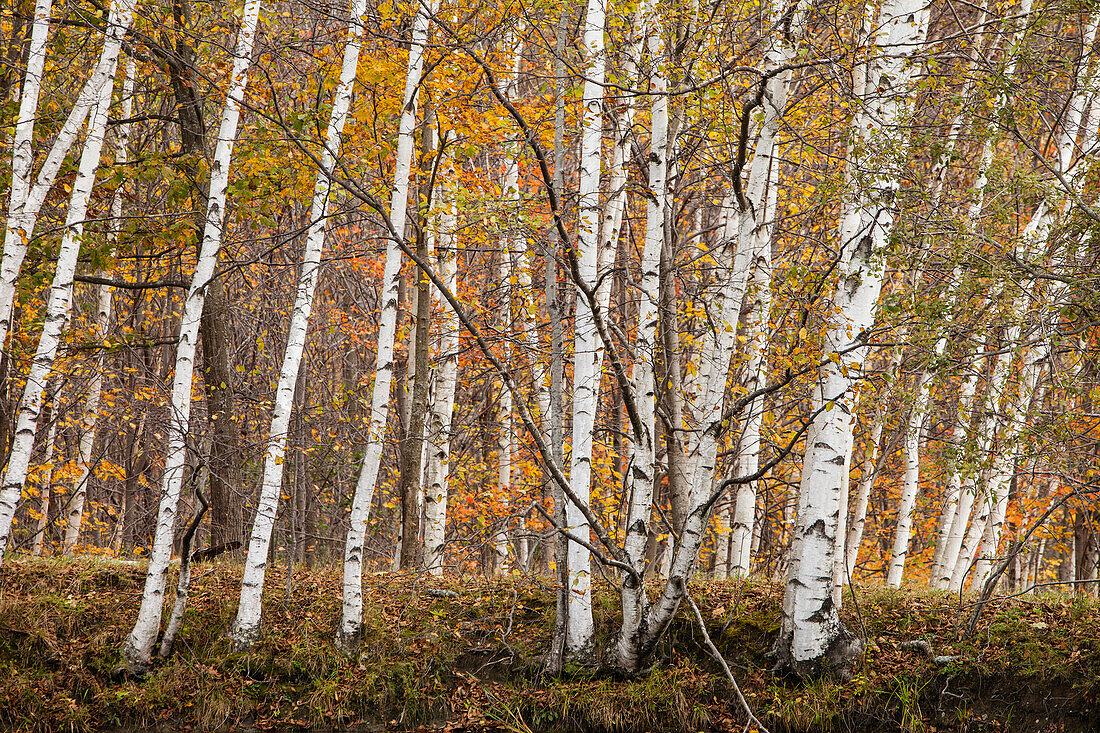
pixel 706 230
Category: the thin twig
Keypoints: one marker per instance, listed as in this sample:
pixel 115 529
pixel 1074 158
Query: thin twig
pixel 722 661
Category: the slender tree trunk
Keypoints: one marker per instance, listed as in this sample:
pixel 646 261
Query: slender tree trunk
pixel 351 619
pixel 45 483
pixel 103 318
pixel 246 627
pixel 744 513
pixel 873 462
pixel 587 350
pixel 643 464
pixel 439 427
pixel 59 304
pixel 910 481
pixel 555 658
pixel 412 450
pixel 138 647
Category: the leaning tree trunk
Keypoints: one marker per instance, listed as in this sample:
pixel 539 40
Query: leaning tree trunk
pixel 137 649
pixel 812 638
pixel 246 627
pixel 59 304
pixel 22 219
pixel 351 616
pixel 103 318
pixel 22 158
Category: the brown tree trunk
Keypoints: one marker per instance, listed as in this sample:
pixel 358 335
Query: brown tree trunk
pixel 227 510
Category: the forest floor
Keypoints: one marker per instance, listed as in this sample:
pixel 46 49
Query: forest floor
pixel 471 661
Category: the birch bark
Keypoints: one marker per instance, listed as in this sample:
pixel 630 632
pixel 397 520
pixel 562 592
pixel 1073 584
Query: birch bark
pixel 45 482
pixel 643 464
pixel 587 350
pixel 747 232
pixel 59 304
pixel 22 219
pixel 873 462
pixel 103 318
pixel 22 158
pixel 744 514
pixel 439 427
pixel 910 480
pixel 137 649
pixel 812 639
pixel 246 627
pixel 957 503
pixel 351 619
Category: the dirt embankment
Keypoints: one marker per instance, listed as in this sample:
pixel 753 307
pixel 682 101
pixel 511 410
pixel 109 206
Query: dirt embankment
pixel 470 660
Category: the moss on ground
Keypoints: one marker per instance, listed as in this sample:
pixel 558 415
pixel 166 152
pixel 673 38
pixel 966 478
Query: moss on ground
pixel 471 661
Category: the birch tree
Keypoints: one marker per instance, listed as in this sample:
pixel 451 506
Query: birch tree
pixel 137 649
pixel 104 295
pixel 812 638
pixel 26 200
pixel 246 627
pixel 22 159
pixel 643 461
pixel 439 425
pixel 587 350
pixel 748 229
pixel 349 631
pixel 59 303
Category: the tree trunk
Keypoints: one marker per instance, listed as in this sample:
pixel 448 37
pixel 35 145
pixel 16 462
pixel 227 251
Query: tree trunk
pixel 556 656
pixel 246 627
pixel 910 481
pixel 587 350
pixel 410 488
pixel 439 426
pixel 812 638
pixel 45 482
pixel 138 647
pixel 349 633
pixel 643 464
pixel 59 305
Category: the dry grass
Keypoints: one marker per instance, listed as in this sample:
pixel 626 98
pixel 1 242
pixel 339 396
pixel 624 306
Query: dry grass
pixel 472 660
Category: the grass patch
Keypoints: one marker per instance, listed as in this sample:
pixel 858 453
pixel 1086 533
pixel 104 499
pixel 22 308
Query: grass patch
pixel 472 660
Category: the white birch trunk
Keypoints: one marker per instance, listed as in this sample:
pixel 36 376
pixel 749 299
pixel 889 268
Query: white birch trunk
pixel 811 629
pixel 351 619
pixel 956 504
pixel 867 476
pixel 22 219
pixel 45 483
pixel 22 158
pixel 910 481
pixel 137 650
pixel 59 304
pixel 643 463
pixel 103 318
pixel 510 194
pixel 587 350
pixel 246 627
pixel 504 429
pixel 439 426
pixel 987 429
pixel 744 514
